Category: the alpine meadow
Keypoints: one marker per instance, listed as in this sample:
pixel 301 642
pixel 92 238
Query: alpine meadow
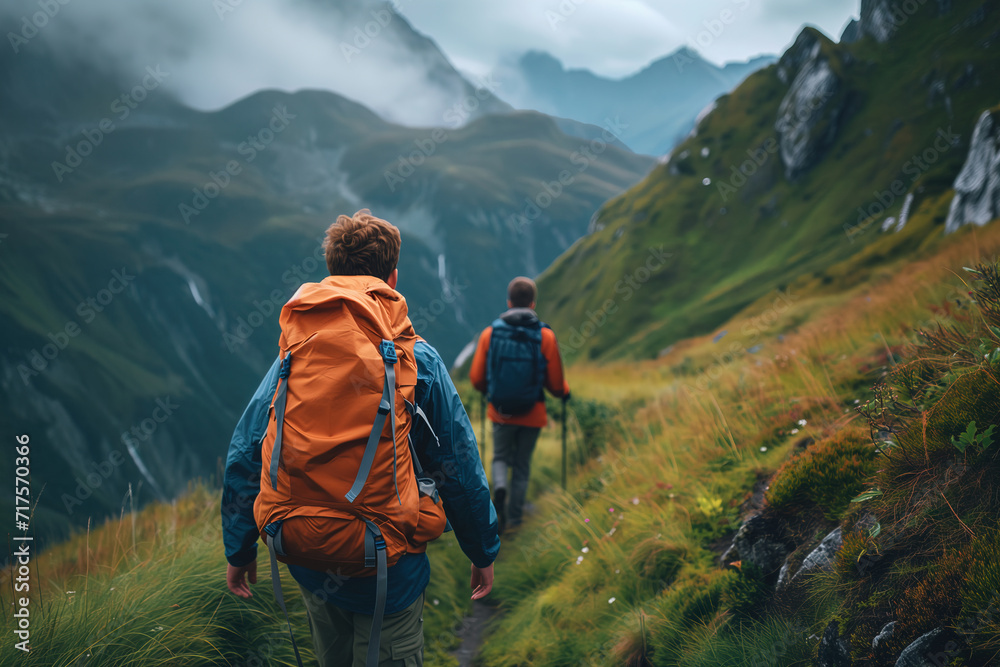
pixel 760 240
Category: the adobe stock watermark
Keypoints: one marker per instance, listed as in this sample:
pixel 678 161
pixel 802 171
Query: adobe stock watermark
pixel 101 471
pixel 740 175
pixel 407 163
pixel 262 310
pixel 914 168
pixel 121 107
pixel 30 26
pixel 713 29
pixel 582 159
pixel 429 314
pixel 898 13
pixel 624 289
pixel 250 148
pixel 562 12
pixel 37 360
pixel 363 35
pixel 751 330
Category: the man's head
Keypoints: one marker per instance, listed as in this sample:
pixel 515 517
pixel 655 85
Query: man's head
pixel 521 293
pixel 362 245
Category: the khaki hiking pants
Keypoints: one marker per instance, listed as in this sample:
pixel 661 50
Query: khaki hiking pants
pixel 340 637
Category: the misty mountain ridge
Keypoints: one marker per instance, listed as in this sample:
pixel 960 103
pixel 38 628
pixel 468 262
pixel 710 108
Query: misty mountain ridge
pixel 658 104
pixel 149 246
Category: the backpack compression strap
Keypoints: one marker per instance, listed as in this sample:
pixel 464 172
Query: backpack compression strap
pixel 375 557
pixel 386 407
pixel 280 399
pixel 273 543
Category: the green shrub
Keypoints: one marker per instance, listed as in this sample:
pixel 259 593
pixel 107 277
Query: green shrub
pixel 824 477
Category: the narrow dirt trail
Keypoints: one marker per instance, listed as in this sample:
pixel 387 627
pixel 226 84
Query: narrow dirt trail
pixel 471 632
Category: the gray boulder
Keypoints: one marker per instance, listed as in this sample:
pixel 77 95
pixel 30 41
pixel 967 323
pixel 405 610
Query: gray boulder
pixel 884 634
pixel 933 649
pixel 819 559
pixel 851 33
pixel 879 19
pixel 809 115
pixel 977 188
pixel 833 651
pixel 761 541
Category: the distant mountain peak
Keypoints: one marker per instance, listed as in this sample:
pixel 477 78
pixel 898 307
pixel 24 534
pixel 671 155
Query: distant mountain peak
pixel 658 103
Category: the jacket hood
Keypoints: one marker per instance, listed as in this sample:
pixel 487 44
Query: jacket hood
pixel 520 317
pixel 383 302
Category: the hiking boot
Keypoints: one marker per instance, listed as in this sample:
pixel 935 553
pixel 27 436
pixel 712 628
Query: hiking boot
pixel 499 496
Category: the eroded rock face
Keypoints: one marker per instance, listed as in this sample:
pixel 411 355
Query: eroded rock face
pixel 761 541
pixel 977 188
pixel 884 634
pixel 833 651
pixel 809 115
pixel 930 650
pixel 877 20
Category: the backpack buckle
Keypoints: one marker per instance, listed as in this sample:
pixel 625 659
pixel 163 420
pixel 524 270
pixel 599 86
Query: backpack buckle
pixel 388 352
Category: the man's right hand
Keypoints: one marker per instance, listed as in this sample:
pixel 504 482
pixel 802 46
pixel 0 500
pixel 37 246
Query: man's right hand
pixel 236 578
pixel 482 581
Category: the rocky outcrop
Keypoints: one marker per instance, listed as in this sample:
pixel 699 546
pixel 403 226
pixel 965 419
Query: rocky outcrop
pixel 933 649
pixel 819 559
pixel 977 188
pixel 878 20
pixel 761 541
pixel 851 33
pixel 884 634
pixel 833 651
pixel 809 115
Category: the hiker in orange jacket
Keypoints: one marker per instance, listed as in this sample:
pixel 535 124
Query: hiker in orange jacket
pixel 516 357
pixel 372 617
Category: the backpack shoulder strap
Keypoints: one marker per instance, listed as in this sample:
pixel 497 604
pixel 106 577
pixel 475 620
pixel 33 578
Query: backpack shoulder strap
pixel 386 408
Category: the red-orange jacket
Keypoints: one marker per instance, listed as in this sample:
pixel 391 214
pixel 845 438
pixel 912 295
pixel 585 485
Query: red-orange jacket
pixel 555 382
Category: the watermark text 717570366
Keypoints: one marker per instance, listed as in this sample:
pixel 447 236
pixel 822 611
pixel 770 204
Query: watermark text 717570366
pixel 22 555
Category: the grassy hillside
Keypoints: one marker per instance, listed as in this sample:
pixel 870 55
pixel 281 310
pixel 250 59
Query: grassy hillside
pixel 627 567
pixel 212 220
pixel 735 236
pixel 667 458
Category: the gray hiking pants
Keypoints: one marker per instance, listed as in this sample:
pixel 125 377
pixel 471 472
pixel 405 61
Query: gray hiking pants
pixel 512 448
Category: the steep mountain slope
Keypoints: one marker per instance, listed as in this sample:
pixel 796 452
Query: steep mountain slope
pixel 787 185
pixel 658 105
pixel 146 254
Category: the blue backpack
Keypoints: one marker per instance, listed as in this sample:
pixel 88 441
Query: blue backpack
pixel 515 367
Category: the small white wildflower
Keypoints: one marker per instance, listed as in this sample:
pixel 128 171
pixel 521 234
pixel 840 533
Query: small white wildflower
pixel 618 571
pixel 579 559
pixel 856 401
pixel 802 422
pixel 436 602
pixel 585 550
pixel 763 449
pixel 635 501
pixel 794 431
pixel 611 600
pixel 70 592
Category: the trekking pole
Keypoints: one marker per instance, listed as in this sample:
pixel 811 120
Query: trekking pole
pixel 564 401
pixel 482 427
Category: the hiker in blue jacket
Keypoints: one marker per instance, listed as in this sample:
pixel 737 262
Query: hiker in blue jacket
pixel 336 603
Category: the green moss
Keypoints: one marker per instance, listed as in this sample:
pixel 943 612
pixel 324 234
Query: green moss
pixel 824 477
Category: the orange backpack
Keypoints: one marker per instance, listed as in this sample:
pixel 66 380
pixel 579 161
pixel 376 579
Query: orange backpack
pixel 341 488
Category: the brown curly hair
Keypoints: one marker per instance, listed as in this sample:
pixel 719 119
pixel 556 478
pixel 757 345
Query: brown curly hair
pixel 361 245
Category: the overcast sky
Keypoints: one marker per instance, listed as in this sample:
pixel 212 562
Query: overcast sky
pixel 618 37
